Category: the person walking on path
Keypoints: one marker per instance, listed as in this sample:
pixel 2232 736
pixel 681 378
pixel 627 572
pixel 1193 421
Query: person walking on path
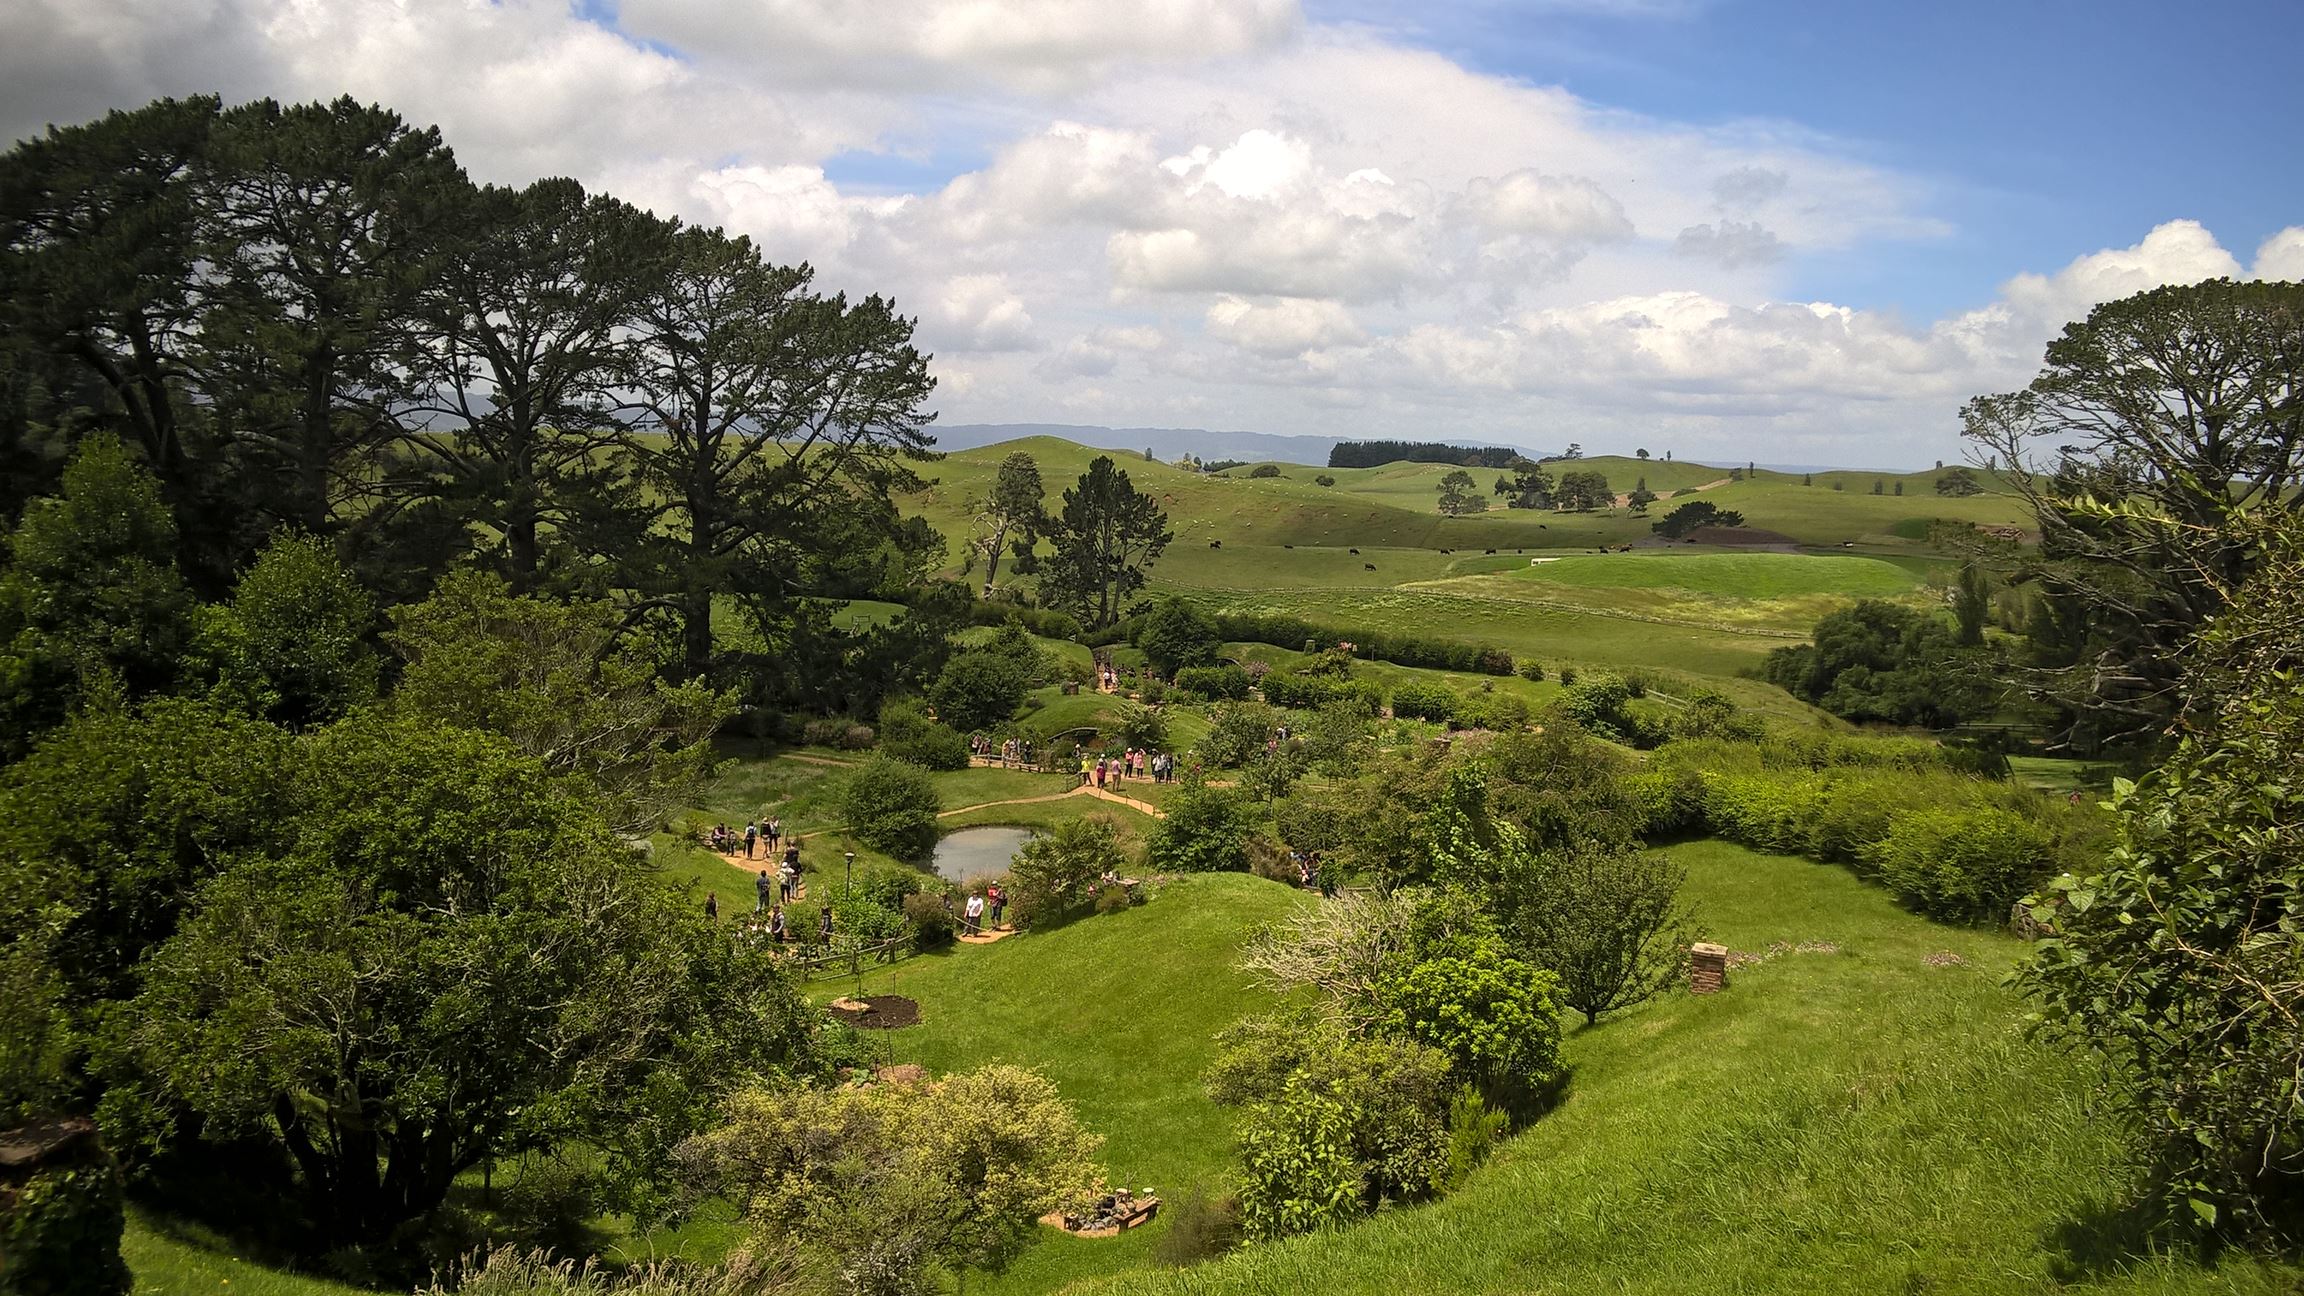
pixel 996 902
pixel 751 837
pixel 824 926
pixel 760 891
pixel 775 830
pixel 974 913
pixel 1086 776
pixel 776 931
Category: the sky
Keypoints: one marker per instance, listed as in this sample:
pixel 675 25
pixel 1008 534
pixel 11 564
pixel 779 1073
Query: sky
pixel 1793 231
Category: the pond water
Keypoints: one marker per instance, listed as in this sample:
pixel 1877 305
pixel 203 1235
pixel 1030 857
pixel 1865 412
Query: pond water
pixel 974 852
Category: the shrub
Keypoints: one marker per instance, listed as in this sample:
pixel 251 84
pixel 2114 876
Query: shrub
pixel 1597 702
pixel 891 806
pixel 855 737
pixel 1497 712
pixel 1532 670
pixel 882 1186
pixel 1215 683
pixel 1265 470
pixel 1968 864
pixel 1473 1132
pixel 1141 726
pixel 1206 831
pixel 980 688
pixel 61 1226
pixel 1297 1169
pixel 1237 735
pixel 1054 876
pixel 1175 635
pixel 932 922
pixel 1323 480
pixel 1419 701
pixel 1199 1228
pixel 1609 924
pixel 1497 1018
pixel 1567 676
pixel 909 733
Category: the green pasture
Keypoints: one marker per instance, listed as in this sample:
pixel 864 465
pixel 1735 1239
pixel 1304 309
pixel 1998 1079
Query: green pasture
pixel 1396 507
pixel 1550 633
pixel 1736 575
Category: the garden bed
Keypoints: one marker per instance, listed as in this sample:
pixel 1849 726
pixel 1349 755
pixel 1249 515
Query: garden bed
pixel 876 1012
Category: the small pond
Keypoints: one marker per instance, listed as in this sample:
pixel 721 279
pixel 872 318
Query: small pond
pixel 975 852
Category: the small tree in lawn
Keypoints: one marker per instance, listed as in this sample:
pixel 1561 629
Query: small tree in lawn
pixel 1608 923
pixel 1206 831
pixel 1054 877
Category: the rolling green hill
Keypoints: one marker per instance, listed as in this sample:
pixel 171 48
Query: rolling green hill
pixel 1859 1112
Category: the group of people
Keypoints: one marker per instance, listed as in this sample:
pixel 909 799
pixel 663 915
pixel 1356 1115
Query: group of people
pixel 728 841
pixel 775 928
pixel 1308 873
pixel 1135 762
pixel 1014 753
pixel 982 910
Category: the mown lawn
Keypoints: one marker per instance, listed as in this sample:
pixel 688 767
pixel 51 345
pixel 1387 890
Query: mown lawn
pixel 1120 1011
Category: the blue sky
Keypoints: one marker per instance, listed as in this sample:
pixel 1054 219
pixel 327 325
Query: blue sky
pixel 1790 231
pixel 2049 126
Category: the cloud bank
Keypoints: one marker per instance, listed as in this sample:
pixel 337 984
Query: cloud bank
pixel 1188 211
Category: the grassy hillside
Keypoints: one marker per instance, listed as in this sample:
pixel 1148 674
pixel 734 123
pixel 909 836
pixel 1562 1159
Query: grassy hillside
pixel 1394 506
pixel 1866 1118
pixel 1119 1010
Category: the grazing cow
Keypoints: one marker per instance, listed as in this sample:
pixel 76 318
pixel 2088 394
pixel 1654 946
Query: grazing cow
pixel 1355 551
pixel 1447 551
pixel 1491 551
pixel 1367 566
pixel 1541 527
pixel 1287 546
pixel 1215 544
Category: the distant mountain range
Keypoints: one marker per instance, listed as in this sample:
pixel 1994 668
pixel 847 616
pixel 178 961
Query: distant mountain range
pixel 1170 444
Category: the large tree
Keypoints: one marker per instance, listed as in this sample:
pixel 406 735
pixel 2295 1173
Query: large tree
pixel 467 968
pixel 769 423
pixel 2153 424
pixel 1459 494
pixel 1010 518
pixel 91 602
pixel 563 684
pixel 516 348
pixel 317 226
pixel 1105 536
pixel 2176 958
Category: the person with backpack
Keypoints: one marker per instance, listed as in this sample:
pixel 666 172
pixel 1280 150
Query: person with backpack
pixel 760 891
pixel 996 902
pixel 776 930
pixel 751 837
pixel 824 925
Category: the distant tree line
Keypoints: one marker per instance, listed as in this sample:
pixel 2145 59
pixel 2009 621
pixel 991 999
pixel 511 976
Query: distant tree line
pixel 1371 454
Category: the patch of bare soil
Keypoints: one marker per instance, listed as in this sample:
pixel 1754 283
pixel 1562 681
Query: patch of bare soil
pixel 876 1012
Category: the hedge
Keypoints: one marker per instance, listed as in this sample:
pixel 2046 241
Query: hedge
pixel 1948 844
pixel 1292 632
pixel 1416 701
pixel 1229 683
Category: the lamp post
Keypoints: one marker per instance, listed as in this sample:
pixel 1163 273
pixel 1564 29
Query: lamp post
pixel 850 884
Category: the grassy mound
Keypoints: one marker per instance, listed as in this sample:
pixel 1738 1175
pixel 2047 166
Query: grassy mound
pixel 1862 1115
pixel 1120 1011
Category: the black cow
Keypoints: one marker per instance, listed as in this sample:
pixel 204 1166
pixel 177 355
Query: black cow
pixel 1367 566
